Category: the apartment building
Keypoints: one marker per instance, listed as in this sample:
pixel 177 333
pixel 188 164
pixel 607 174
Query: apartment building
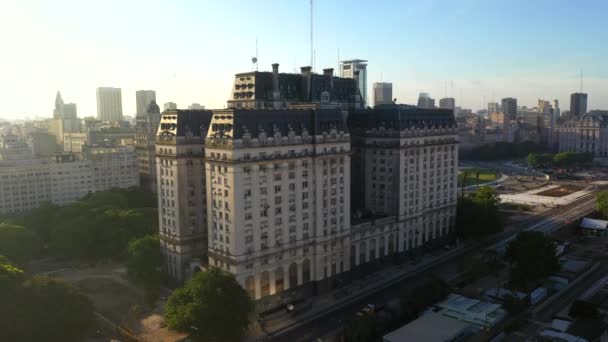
pixel 27 183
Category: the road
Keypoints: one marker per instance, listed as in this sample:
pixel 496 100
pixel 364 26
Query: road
pixel 333 317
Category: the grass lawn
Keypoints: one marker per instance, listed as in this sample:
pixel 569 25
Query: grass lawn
pixel 485 176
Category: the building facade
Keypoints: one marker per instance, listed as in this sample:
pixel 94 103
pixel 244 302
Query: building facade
pixel 146 127
pixel 109 104
pixel 349 68
pixel 142 99
pixel 578 104
pixel 447 103
pixel 268 189
pixel 27 183
pixel 509 107
pixel 383 93
pixel 425 101
pixel 587 134
pixel 182 195
pixel 170 106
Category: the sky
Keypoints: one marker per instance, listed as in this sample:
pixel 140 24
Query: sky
pixel 189 51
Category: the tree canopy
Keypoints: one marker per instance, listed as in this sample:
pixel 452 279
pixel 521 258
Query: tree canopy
pixel 145 264
pixel 98 226
pixel 211 306
pixel 40 308
pixel 18 244
pixel 532 257
pixel 562 159
pixel 477 214
pixel 601 203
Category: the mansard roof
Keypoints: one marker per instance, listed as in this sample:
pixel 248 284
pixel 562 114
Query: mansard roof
pixel 402 117
pixel 239 123
pixel 182 122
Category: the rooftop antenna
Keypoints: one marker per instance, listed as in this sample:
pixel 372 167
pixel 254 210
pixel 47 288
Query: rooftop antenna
pixel 581 90
pixel 445 88
pixel 311 41
pixel 381 80
pixel 254 60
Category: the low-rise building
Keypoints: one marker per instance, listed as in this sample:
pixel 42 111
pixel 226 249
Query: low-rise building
pixel 432 327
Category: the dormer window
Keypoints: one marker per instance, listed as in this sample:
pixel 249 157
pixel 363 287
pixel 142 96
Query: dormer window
pixel 324 97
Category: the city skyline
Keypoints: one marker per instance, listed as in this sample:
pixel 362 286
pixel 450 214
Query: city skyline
pixel 446 44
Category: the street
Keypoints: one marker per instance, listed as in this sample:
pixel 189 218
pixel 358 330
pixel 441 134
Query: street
pixel 332 318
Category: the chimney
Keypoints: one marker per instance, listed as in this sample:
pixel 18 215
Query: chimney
pixel 306 82
pixel 275 84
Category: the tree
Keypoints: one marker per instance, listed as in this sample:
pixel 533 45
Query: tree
pixel 365 326
pixel 532 256
pixel 477 215
pixel 601 203
pixel 18 244
pixel 145 264
pixel 41 308
pixel 211 306
pixel 533 160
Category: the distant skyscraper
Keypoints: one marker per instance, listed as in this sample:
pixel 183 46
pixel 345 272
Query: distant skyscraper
pixel 544 107
pixel 578 104
pixel 493 107
pixel 170 106
pixel 143 98
pixel 383 93
pixel 425 101
pixel 556 111
pixel 447 103
pixel 58 111
pixel 348 68
pixel 109 104
pixel 509 108
pixel 196 106
pixel 70 111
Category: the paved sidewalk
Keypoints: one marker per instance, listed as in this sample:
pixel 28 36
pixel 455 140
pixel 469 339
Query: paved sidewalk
pixel 352 292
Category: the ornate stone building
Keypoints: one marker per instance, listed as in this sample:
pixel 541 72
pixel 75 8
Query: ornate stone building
pixel 182 209
pixel 283 213
pixel 588 134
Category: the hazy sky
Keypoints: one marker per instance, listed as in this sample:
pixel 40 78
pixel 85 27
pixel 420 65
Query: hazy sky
pixel 188 51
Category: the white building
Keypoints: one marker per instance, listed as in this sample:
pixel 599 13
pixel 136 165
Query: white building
pixel 263 189
pixel 25 184
pixel 109 104
pixel 383 93
pixel 170 106
pixel 589 134
pixel 347 70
